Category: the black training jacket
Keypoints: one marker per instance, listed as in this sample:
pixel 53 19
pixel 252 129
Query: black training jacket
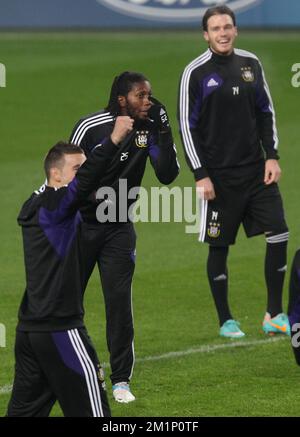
pixel 51 239
pixel 130 161
pixel 225 112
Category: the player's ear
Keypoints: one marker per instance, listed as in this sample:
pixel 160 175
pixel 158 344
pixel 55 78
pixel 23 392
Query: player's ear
pixel 55 174
pixel 122 101
pixel 205 36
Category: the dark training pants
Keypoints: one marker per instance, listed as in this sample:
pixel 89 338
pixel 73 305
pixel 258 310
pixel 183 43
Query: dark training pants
pixel 112 247
pixel 59 366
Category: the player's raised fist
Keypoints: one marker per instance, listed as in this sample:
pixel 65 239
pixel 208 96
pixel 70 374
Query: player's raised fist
pixel 123 126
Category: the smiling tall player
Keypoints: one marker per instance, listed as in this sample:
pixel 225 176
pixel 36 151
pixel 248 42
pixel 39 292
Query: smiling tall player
pixel 228 129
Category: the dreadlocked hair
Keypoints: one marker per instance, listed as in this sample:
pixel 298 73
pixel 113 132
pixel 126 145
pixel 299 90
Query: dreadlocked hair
pixel 121 86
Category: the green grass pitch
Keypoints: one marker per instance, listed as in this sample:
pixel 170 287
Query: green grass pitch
pixel 52 79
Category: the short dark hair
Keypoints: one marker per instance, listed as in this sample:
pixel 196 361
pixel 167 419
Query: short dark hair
pixel 121 86
pixel 55 156
pixel 217 10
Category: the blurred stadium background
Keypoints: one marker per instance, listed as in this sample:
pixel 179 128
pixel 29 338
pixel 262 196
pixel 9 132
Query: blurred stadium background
pixel 60 57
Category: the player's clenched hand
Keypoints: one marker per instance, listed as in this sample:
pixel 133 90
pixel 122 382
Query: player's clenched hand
pixel 272 171
pixel 123 126
pixel 159 116
pixel 205 189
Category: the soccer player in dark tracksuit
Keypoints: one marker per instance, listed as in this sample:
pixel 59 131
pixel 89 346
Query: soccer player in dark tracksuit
pixel 55 359
pixel 228 129
pixel 107 240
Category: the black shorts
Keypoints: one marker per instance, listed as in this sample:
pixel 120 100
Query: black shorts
pixel 59 366
pixel 241 197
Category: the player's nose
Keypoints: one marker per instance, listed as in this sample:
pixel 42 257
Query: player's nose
pixel 147 102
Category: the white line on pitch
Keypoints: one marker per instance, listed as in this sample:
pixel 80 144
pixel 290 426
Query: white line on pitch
pixel 210 348
pixel 200 350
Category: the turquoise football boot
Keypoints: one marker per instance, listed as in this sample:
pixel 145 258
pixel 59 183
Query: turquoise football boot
pixel 276 325
pixel 231 329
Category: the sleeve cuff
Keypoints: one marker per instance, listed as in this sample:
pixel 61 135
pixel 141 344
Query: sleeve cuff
pixel 272 154
pixel 200 173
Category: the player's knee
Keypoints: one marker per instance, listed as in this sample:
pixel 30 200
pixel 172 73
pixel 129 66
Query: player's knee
pixel 218 249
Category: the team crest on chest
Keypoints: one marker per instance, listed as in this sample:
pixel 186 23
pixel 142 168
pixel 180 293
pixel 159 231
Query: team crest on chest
pixel 247 74
pixel 141 139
